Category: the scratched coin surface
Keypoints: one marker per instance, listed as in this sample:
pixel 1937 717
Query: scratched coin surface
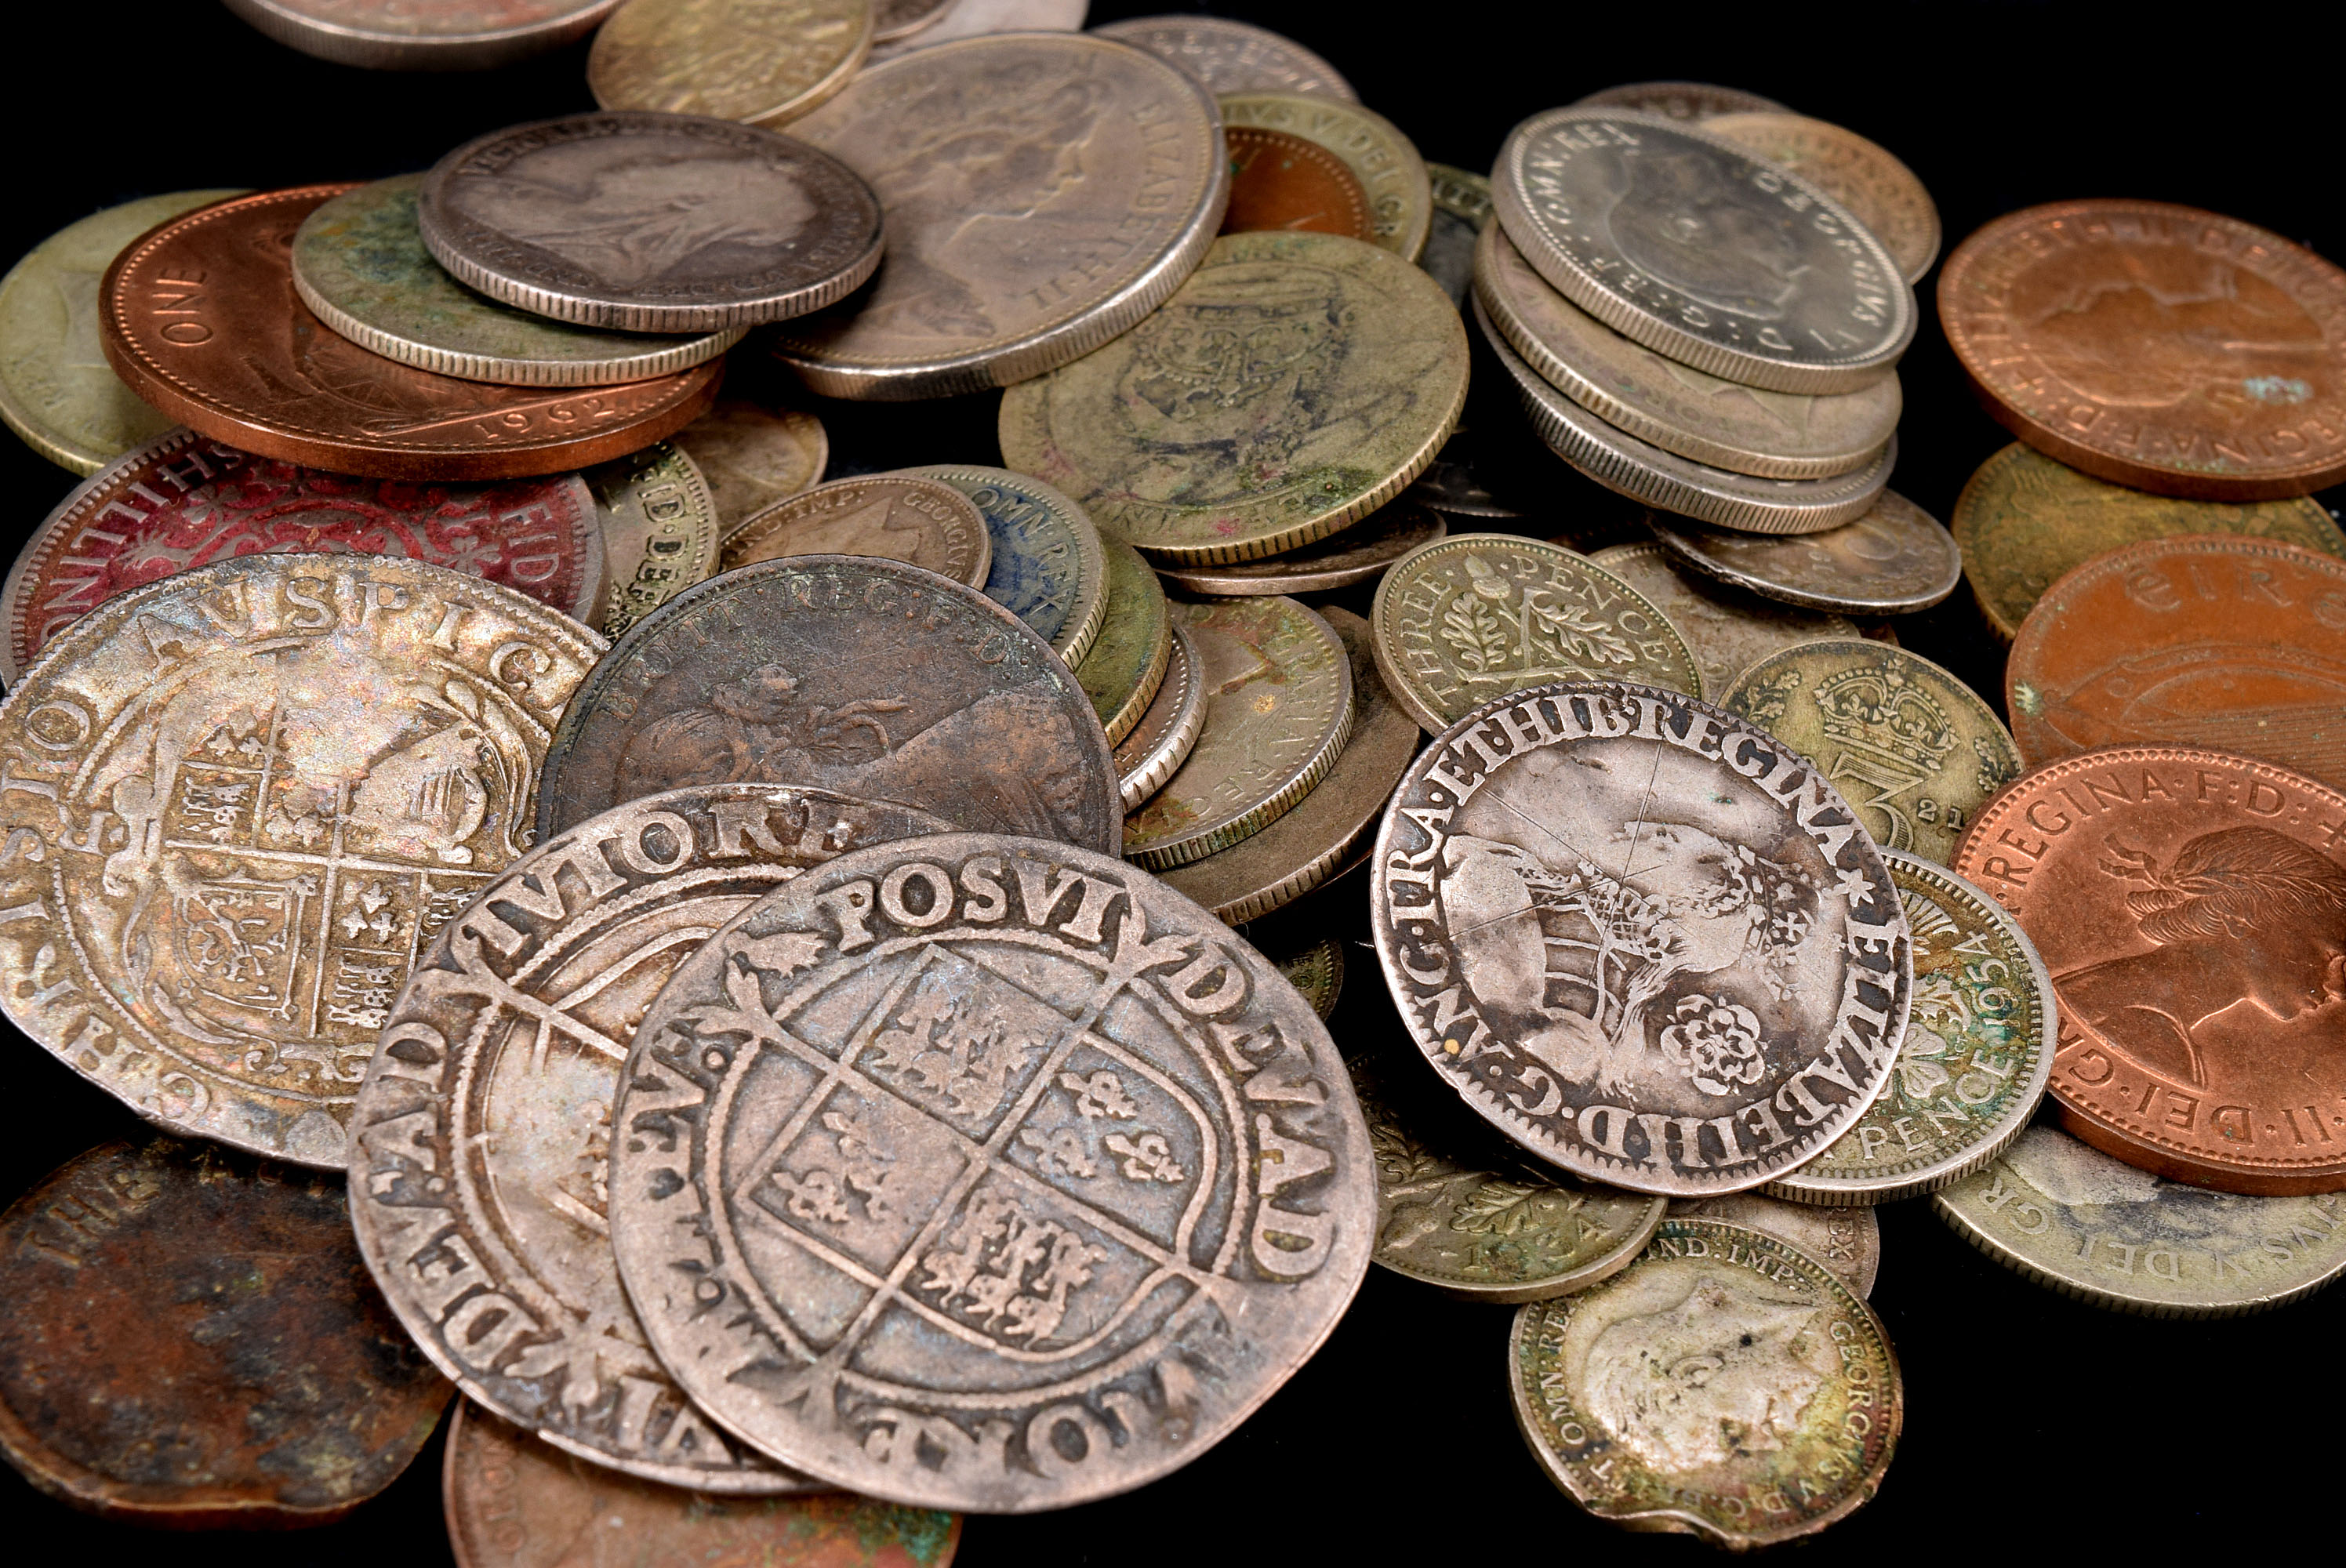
pixel 249 794
pixel 1360 551
pixel 184 501
pixel 2097 1230
pixel 192 1343
pixel 1125 667
pixel 1891 560
pixel 1478 615
pixel 1227 56
pixel 1282 182
pixel 1382 160
pixel 2238 645
pixel 2190 906
pixel 1644 939
pixel 1168 731
pixel 1462 205
pixel 1847 1241
pixel 1021 1178
pixel 1881 192
pixel 1727 630
pixel 752 454
pixel 482 1136
pixel 1724 1385
pixel 761 62
pixel 1906 743
pixel 659 533
pixel 443 35
pixel 847 673
pixel 922 522
pixel 1047 566
pixel 1196 454
pixel 1681 100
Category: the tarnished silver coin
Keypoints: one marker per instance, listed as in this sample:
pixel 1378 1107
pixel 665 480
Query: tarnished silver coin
pixel 1847 1241
pixel 1892 559
pixel 1047 566
pixel 894 19
pixel 650 222
pixel 1356 554
pixel 982 1173
pixel 441 35
pixel 660 532
pixel 1681 100
pixel 1642 938
pixel 481 1142
pixel 1168 730
pixel 1230 56
pixel 978 18
pixel 1728 629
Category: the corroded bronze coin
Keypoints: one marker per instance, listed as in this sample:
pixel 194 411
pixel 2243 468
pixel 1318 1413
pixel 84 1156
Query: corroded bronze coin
pixel 1725 1385
pixel 752 455
pixel 1047 566
pixel 847 673
pixel 1195 455
pixel 755 61
pixel 185 501
pixel 1016 1178
pixel 1880 191
pixel 1847 1241
pixel 200 318
pixel 2023 520
pixel 1230 56
pixel 1893 559
pixel 1382 160
pixel 2191 908
pixel 1727 630
pixel 1282 182
pixel 192 1342
pixel 2238 645
pixel 1643 938
pixel 1126 665
pixel 1359 553
pixel 922 522
pixel 443 35
pixel 2155 346
pixel 246 797
pixel 1317 972
pixel 659 533
pixel 1168 732
pixel 1681 100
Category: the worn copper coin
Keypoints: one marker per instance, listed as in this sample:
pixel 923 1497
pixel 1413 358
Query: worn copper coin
pixel 200 318
pixel 2155 346
pixel 248 795
pixel 1361 551
pixel 923 523
pixel 1725 1385
pixel 1283 181
pixel 1462 205
pixel 443 36
pixel 2191 908
pixel 1020 1179
pixel 184 501
pixel 1168 732
pixel 515 1502
pixel 894 19
pixel 1382 160
pixel 2212 640
pixel 751 455
pixel 1881 192
pixel 1125 667
pixel 481 1137
pixel 1893 559
pixel 1725 629
pixel 2023 520
pixel 1645 940
pixel 1847 1241
pixel 1227 56
pixel 760 62
pixel 191 1342
pixel 1478 615
pixel 1681 100
pixel 1047 566
pixel 1278 708
pixel 2079 1223
pixel 1318 972
pixel 847 673
pixel 659 533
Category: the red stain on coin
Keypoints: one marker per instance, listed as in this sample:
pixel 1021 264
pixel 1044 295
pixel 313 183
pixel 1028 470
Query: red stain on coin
pixel 1282 182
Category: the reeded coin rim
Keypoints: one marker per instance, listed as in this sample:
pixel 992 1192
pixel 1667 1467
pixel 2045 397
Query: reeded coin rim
pixel 1127 718
pixel 380 49
pixel 1082 627
pixel 1160 762
pixel 1684 545
pixel 768 519
pixel 1232 581
pixel 1864 146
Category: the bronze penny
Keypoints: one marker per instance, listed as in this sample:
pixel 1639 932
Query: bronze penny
pixel 201 320
pixel 1355 555
pixel 923 523
pixel 2190 906
pixel 1168 732
pixel 1279 180
pixel 192 1342
pixel 2157 346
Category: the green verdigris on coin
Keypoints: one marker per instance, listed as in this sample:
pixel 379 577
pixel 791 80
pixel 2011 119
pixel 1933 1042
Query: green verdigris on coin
pixel 660 532
pixel 1728 630
pixel 1126 665
pixel 1047 566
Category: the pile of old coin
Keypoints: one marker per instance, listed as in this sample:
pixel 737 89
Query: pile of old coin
pixel 802 999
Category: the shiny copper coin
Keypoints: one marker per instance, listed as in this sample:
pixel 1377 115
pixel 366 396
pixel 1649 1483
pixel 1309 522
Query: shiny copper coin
pixel 1279 180
pixel 2190 906
pixel 2204 639
pixel 200 318
pixel 2162 347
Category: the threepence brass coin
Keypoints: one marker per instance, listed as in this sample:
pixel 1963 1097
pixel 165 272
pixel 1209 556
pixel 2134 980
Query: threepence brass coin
pixel 1459 1215
pixel 183 500
pixel 959 1098
pixel 1383 160
pixel 191 1342
pixel 1705 252
pixel 1725 629
pixel 2096 1230
pixel 848 673
pixel 1681 100
pixel 1880 191
pixel 255 790
pixel 513 1502
pixel 2023 520
pixel 1318 972
pixel 200 318
pixel 482 1136
pixel 1723 423
pixel 1168 732
pixel 981 18
pixel 1643 938
pixel 1359 553
pixel 56 390
pixel 2205 639
pixel 360 264
pixel 894 19
pixel 1044 194
pixel 1893 559
pixel 753 61
pixel 1978 1051
pixel 1329 829
pixel 1126 665
pixel 1281 181
pixel 1048 564
pixel 445 35
pixel 659 534
pixel 1724 1385
pixel 1478 615
pixel 923 523
pixel 1847 1241
pixel 1199 457
pixel 751 455
pixel 1279 706
pixel 1229 56
pixel 1462 205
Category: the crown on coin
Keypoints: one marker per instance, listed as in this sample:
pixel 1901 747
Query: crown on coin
pixel 1882 713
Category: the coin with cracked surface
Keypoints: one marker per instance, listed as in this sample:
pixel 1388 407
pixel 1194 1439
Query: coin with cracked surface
pixel 1125 667
pixel 922 522
pixel 1354 555
pixel 1645 939
pixel 1847 1241
pixel 659 533
pixel 1047 565
pixel 997 1226
pixel 1681 100
pixel 445 35
pixel 753 453
pixel 1168 732
pixel 481 1140
pixel 1382 160
pixel 1892 559
pixel 1728 630
pixel 760 62
pixel 1862 175
pixel 1229 56
pixel 263 786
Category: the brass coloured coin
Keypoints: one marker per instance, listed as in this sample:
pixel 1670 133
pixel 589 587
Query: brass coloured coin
pixel 752 455
pixel 660 532
pixel 1385 162
pixel 924 522
pixel 1726 629
pixel 1125 667
pixel 761 62
pixel 1880 191
pixel 1047 566
pixel 1168 732
pixel 1361 551
pixel 1892 559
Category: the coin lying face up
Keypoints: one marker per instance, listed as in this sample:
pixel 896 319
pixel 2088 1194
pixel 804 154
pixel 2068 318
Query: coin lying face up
pixel 1847 1241
pixel 1892 559
pixel 1230 56
pixel 922 522
pixel 762 64
pixel 393 35
pixel 1047 566
pixel 752 455
pixel 1868 179
pixel 659 533
pixel 1383 161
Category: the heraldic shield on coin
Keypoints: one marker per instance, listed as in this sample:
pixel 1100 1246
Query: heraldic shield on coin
pixel 237 802
pixel 986 1173
pixel 1647 941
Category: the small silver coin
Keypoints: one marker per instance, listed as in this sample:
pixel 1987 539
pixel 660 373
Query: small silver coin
pixel 1168 730
pixel 1229 56
pixel 1892 559
pixel 441 35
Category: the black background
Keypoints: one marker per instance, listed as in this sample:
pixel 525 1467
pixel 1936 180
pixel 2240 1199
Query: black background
pixel 2032 1423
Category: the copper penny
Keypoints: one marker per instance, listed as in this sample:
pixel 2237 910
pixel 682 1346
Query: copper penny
pixel 2190 906
pixel 1279 180
pixel 926 523
pixel 2206 639
pixel 201 320
pixel 2157 346
pixel 192 1341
